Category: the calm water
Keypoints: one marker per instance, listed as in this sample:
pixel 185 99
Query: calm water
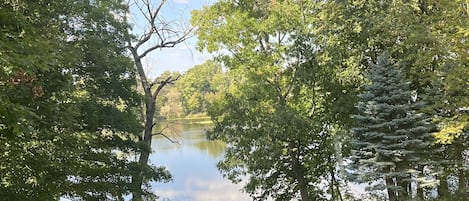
pixel 192 163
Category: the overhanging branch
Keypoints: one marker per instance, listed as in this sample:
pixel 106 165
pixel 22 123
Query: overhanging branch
pixel 168 138
pixel 164 135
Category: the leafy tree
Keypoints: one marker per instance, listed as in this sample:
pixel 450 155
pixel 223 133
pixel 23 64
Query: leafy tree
pixel 200 85
pixel 169 102
pixel 428 37
pixel 391 138
pixel 333 41
pixel 283 108
pixel 67 123
pixel 172 108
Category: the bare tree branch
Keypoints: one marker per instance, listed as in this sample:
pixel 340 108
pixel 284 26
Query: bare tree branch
pixel 164 135
pixel 141 10
pixel 166 44
pixel 151 18
pixel 162 84
pixel 157 11
pixel 168 138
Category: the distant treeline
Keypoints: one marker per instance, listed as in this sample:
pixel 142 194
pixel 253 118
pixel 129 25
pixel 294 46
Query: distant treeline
pixel 193 92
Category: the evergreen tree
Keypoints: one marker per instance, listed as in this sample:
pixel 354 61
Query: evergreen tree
pixel 391 138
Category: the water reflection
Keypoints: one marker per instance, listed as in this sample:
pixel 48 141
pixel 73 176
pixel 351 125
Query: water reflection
pixel 214 148
pixel 192 164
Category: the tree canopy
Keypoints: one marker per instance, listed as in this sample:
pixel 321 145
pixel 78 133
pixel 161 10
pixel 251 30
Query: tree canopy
pixel 68 120
pixel 280 114
pixel 298 90
pixel 297 68
pixel 200 85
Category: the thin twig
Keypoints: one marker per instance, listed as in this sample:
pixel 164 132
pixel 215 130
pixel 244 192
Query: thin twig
pixel 166 44
pixel 168 138
pixel 164 135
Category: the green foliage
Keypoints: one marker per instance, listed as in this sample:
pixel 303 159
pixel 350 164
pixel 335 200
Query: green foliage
pixel 172 107
pixel 169 102
pixel 200 85
pixel 302 61
pixel 67 121
pixel 194 91
pixel 391 139
pixel 428 38
pixel 284 105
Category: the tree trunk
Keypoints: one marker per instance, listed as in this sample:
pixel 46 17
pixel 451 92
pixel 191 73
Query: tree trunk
pixel 420 195
pixel 420 189
pixel 299 173
pixel 403 194
pixel 443 191
pixel 153 38
pixel 145 153
pixel 462 185
pixel 391 193
pixel 335 185
pixel 150 100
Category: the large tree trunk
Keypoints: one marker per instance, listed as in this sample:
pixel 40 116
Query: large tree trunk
pixel 145 153
pixel 150 109
pixel 299 172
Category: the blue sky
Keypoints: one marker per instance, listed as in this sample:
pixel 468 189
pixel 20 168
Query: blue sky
pixel 182 56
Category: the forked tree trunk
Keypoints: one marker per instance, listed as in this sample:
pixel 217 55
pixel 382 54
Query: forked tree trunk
pixel 158 35
pixel 150 109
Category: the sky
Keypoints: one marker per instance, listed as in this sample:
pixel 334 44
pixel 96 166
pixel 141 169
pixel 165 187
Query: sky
pixel 181 57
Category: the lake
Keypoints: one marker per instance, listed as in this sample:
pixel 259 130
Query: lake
pixel 192 164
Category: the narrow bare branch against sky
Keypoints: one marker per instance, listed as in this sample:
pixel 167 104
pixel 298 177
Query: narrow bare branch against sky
pixel 175 13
